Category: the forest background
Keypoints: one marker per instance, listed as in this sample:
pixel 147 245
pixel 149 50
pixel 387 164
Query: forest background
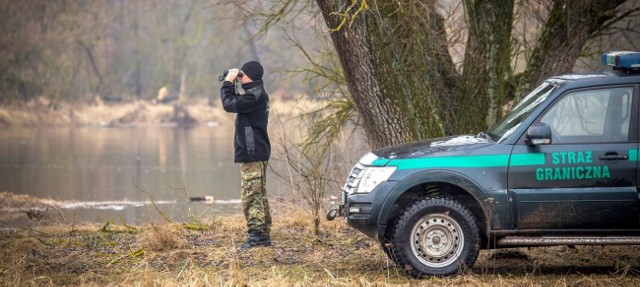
pixel 404 70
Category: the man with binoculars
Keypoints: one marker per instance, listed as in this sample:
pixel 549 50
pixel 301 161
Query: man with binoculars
pixel 251 145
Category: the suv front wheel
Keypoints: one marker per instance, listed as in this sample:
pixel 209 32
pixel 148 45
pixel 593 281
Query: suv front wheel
pixel 435 236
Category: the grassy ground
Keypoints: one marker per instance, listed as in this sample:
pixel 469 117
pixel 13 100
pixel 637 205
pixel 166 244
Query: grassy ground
pixel 204 253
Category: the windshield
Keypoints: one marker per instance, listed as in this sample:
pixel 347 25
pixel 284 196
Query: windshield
pixel 520 112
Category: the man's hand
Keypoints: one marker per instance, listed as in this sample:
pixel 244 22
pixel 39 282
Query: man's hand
pixel 233 73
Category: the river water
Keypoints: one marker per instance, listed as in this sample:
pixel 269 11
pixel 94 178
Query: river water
pixel 102 174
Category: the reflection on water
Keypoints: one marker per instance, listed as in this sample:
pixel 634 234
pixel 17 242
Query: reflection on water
pixel 118 164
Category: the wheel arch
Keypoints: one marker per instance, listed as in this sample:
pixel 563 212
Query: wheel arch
pixel 445 183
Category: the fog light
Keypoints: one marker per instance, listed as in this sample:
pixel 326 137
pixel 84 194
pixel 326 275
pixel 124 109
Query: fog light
pixel 354 209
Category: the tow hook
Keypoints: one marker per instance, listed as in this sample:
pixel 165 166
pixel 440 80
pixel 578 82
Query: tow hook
pixel 335 209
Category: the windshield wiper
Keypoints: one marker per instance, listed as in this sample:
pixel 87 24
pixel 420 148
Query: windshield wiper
pixel 484 136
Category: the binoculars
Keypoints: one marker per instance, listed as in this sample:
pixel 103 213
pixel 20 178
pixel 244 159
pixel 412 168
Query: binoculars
pixel 226 72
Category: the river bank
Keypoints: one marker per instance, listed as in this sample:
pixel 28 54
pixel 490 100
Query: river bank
pixel 42 112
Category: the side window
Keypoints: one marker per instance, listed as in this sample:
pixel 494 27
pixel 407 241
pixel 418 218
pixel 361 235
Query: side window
pixel 591 116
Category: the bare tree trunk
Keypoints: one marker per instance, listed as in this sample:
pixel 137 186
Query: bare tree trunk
pixel 178 61
pixel 417 49
pixel 570 25
pixel 397 74
pixel 252 43
pixel 486 63
pixel 94 66
pixel 136 52
pixel 183 84
pixel 373 85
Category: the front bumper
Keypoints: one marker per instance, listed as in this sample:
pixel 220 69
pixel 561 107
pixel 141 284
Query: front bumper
pixel 361 210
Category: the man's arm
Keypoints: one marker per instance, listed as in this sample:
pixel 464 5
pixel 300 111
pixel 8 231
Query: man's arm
pixel 229 97
pixel 228 92
pixel 239 103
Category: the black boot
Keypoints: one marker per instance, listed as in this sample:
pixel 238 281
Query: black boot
pixel 255 239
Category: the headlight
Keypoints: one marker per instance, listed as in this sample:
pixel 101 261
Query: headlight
pixel 368 158
pixel 372 176
pixel 367 174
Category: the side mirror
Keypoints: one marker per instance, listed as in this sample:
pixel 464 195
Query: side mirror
pixel 538 134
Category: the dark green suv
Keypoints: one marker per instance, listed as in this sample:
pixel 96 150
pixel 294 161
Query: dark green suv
pixel 560 169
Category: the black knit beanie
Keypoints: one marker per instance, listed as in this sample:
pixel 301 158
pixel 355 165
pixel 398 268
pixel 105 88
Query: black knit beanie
pixel 253 69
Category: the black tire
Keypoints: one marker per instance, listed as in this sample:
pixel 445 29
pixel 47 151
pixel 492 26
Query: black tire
pixel 435 236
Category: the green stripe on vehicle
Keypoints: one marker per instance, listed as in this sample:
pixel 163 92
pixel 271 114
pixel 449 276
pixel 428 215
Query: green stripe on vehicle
pixel 380 161
pixel 476 161
pixel 633 155
pixel 528 159
pixel 500 160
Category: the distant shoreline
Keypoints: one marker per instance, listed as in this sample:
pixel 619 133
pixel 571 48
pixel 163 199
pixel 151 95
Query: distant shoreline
pixel 44 113
pixel 41 112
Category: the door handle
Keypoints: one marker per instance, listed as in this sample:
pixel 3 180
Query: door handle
pixel 613 156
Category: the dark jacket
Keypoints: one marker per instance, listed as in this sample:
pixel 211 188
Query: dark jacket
pixel 251 139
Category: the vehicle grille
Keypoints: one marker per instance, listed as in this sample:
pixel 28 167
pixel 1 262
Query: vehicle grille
pixel 353 180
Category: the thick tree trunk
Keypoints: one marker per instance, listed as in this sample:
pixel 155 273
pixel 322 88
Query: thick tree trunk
pixel 373 86
pixel 486 63
pixel 569 26
pixel 416 44
pixel 398 74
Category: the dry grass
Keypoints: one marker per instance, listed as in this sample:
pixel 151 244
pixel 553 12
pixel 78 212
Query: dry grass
pixel 176 254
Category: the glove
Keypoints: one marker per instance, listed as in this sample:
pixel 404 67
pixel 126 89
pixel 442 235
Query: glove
pixel 233 73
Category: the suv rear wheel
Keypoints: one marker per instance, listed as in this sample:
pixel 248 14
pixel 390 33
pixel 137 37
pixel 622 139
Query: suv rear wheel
pixel 435 236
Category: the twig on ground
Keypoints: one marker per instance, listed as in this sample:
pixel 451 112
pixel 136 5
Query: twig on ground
pixel 154 203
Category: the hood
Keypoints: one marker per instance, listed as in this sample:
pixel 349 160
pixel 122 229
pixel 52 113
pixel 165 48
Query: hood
pixel 433 147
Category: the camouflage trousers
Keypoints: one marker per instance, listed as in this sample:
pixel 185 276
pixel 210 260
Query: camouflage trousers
pixel 255 205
